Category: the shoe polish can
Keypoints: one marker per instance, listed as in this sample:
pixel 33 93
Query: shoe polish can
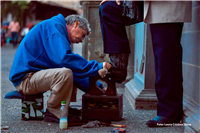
pixel 63 116
pixel 118 130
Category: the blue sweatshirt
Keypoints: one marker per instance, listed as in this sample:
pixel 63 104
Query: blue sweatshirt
pixel 47 45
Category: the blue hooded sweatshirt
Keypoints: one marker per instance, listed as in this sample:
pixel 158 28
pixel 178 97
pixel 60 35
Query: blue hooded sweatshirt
pixel 47 46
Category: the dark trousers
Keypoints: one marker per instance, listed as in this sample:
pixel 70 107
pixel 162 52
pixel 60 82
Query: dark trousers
pixel 168 68
pixel 113 28
pixel 115 39
pixel 0 38
pixel 14 38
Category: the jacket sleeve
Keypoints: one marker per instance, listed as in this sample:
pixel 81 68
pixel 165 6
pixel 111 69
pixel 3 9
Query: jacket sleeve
pixel 83 84
pixel 58 49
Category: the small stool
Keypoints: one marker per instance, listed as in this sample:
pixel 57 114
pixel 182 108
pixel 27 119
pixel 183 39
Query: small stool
pixel 32 105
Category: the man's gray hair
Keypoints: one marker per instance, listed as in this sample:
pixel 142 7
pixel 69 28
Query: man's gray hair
pixel 84 24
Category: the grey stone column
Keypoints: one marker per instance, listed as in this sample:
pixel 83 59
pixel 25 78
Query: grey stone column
pixel 147 98
pixel 140 90
pixel 191 71
pixel 93 44
pixel 131 36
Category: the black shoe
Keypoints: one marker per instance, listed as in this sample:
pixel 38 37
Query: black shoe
pixel 75 111
pixel 49 117
pixel 160 121
pixel 117 76
pixel 73 120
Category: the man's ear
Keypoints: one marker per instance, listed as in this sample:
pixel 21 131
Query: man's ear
pixel 76 24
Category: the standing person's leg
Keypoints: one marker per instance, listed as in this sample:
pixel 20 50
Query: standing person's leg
pixel 0 38
pixel 115 39
pixel 59 81
pixel 168 68
pixel 13 38
pixel 16 38
pixel 113 28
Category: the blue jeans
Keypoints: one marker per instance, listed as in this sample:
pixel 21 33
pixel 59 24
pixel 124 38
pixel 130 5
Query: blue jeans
pixel 14 38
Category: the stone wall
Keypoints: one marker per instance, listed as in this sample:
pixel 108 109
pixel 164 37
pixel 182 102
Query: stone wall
pixel 93 44
pixel 191 70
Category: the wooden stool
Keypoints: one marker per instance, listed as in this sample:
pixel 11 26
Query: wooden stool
pixel 32 105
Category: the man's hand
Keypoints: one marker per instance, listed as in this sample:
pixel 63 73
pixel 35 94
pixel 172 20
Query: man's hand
pixel 118 2
pixel 103 1
pixel 104 71
pixel 106 65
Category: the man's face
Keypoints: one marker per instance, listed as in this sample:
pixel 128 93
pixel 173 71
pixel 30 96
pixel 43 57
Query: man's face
pixel 76 34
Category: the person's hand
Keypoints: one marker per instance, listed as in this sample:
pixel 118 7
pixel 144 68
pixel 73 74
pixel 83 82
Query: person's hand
pixel 118 2
pixel 104 71
pixel 106 65
pixel 103 1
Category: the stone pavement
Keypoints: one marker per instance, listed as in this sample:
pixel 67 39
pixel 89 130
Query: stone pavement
pixel 11 111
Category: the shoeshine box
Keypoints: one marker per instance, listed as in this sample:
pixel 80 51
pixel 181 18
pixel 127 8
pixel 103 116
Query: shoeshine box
pixel 102 107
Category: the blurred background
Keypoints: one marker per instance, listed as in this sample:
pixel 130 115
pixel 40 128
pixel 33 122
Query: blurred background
pixel 29 13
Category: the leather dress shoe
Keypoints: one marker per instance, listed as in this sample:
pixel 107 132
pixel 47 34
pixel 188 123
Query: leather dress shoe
pixel 75 111
pixel 117 76
pixel 73 120
pixel 160 121
pixel 50 117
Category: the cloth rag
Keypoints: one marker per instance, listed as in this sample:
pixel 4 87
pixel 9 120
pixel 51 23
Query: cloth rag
pixel 92 124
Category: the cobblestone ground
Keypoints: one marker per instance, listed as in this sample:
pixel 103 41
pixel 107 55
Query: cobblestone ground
pixel 11 111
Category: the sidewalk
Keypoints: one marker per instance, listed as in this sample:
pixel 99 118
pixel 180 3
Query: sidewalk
pixel 11 110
